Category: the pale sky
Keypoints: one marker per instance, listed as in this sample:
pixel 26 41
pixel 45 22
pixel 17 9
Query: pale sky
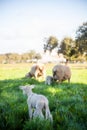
pixel 24 24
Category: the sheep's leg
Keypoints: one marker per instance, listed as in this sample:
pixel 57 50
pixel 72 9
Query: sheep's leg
pixel 38 110
pixel 68 80
pixel 48 114
pixel 36 75
pixel 41 115
pixel 30 112
pixel 44 74
pixel 38 113
pixel 59 81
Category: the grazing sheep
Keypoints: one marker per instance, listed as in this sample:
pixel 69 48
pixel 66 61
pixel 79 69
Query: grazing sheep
pixel 61 73
pixel 49 80
pixel 37 70
pixel 36 103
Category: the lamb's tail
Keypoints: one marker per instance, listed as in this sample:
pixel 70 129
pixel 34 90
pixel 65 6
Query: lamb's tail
pixel 48 114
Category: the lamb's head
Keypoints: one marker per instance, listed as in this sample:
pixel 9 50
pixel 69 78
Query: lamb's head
pixel 27 89
pixel 49 80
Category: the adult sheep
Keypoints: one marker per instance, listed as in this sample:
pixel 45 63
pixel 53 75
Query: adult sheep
pixel 36 71
pixel 61 73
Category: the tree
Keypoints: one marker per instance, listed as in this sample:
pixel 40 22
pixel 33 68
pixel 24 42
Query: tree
pixel 51 43
pixel 67 46
pixel 81 39
pixel 37 56
pixel 32 54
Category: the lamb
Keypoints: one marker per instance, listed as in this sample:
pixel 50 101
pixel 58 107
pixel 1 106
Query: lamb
pixel 49 80
pixel 36 103
pixel 61 73
pixel 37 70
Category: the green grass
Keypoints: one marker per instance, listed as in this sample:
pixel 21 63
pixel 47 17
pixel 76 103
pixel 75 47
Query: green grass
pixel 68 102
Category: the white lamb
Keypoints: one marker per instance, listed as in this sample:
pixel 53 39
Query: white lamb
pixel 36 103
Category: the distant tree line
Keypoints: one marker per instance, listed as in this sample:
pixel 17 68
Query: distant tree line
pixel 73 49
pixel 18 58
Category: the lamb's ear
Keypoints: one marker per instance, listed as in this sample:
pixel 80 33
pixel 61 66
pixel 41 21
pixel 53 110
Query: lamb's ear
pixel 21 87
pixel 32 86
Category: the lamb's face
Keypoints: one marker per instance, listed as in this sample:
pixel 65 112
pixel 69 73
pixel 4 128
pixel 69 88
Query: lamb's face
pixel 24 89
pixel 49 80
pixel 27 89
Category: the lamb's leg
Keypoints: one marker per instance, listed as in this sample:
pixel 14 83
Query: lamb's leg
pixel 38 113
pixel 48 114
pixel 30 111
pixel 68 80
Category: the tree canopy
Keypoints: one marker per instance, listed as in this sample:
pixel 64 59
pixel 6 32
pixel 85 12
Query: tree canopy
pixel 67 46
pixel 18 58
pixel 81 39
pixel 51 43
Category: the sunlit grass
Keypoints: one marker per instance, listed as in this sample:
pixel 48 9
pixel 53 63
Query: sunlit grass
pixel 79 75
pixel 68 102
pixel 54 90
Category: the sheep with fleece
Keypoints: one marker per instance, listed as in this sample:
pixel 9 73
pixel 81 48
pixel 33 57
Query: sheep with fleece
pixel 36 103
pixel 61 73
pixel 37 70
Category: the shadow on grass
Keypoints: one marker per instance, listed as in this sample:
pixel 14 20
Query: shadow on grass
pixel 68 104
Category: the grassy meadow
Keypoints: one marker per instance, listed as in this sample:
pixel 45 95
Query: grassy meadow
pixel 68 102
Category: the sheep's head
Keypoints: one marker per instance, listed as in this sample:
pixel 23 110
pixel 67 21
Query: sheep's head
pixel 27 89
pixel 55 75
pixel 28 75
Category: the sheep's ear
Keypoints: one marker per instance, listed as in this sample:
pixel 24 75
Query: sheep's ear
pixel 32 86
pixel 21 87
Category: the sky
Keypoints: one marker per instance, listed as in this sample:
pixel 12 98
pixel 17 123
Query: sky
pixel 26 24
